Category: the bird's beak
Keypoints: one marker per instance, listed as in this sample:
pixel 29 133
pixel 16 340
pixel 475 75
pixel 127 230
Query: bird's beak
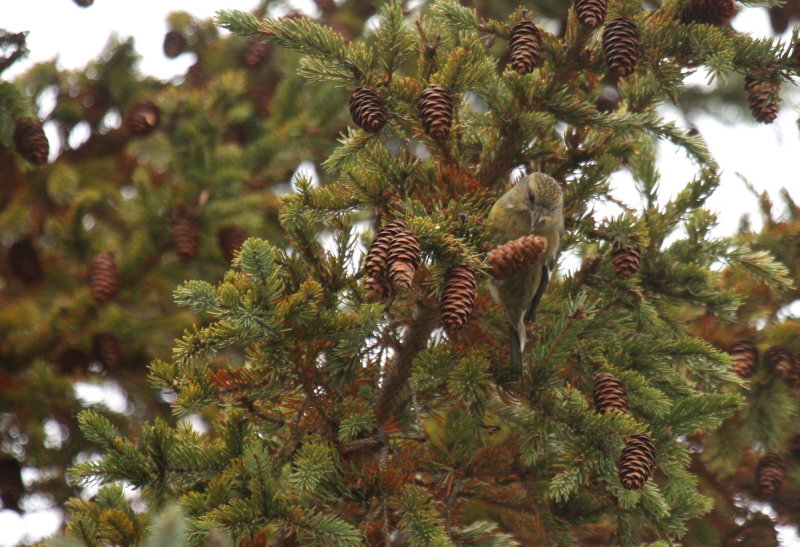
pixel 535 217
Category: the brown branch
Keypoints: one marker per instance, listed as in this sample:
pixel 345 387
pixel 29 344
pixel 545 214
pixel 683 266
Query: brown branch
pixel 394 384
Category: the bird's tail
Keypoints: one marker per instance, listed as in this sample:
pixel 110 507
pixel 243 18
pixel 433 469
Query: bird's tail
pixel 515 367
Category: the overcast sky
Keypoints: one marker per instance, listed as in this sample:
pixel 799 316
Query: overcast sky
pixel 766 155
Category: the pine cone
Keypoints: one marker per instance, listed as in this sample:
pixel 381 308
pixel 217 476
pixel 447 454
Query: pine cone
pixel 261 96
pixel 436 111
pixel 256 51
pixel 24 261
pixel 711 12
pixel 84 3
pixel 31 142
pixel 174 43
pixel 107 349
pixel 367 109
pixel 11 486
pixel 770 474
pixel 186 238
pixel 637 461
pixel 625 261
pixel 591 13
pixel 73 360
pixel 763 94
pixel 403 260
pixel 378 252
pixel 376 289
pixel 513 258
pixel 103 277
pixel 621 46
pixel 143 118
pixel 231 238
pixel 780 360
pixel 745 357
pixel 609 393
pixel 458 297
pixel 525 45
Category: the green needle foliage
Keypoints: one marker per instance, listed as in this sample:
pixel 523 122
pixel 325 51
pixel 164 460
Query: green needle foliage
pixel 334 420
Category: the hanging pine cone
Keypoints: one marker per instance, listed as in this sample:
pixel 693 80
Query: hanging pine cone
pixel 231 238
pixel 770 474
pixel 591 13
pixel 378 253
pixel 11 486
pixel 256 51
pixel 174 43
pixel 780 360
pixel 84 3
pixel 745 357
pixel 763 94
pixel 143 118
pixel 621 46
pixel 103 277
pixel 637 461
pixel 376 289
pixel 31 142
pixel 367 109
pixel 436 111
pixel 261 95
pixel 609 393
pixel 73 360
pixel 525 45
pixel 186 238
pixel 24 261
pixel 625 261
pixel 106 349
pixel 458 297
pixel 403 260
pixel 711 12
pixel 513 258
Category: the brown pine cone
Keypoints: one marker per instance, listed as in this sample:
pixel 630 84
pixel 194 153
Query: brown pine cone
pixel 780 360
pixel 143 118
pixel 376 289
pixel 84 3
pixel 403 260
pixel 745 357
pixel 31 142
pixel 525 45
pixel 764 97
pixel 231 238
pixel 637 461
pixel 256 51
pixel 174 43
pixel 609 393
pixel 711 12
pixel 261 97
pixel 621 46
pixel 458 297
pixel 591 13
pixel 73 360
pixel 367 109
pixel 770 474
pixel 11 486
pixel 106 349
pixel 625 261
pixel 23 259
pixel 103 277
pixel 436 111
pixel 513 258
pixel 378 252
pixel 186 237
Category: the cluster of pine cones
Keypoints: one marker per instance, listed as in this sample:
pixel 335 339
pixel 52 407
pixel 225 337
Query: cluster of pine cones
pixel 778 359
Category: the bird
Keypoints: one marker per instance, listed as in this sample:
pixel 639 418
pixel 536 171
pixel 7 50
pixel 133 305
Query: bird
pixel 533 205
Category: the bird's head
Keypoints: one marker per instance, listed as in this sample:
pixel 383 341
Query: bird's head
pixel 545 198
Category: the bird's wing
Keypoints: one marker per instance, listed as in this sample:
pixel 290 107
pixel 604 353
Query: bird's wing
pixel 530 317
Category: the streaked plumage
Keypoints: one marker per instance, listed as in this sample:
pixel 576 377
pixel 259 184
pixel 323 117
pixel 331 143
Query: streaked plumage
pixel 533 205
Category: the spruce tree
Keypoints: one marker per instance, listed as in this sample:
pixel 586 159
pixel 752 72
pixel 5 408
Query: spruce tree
pixel 342 413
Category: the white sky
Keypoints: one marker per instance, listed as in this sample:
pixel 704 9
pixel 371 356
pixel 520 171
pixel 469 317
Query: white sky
pixel 766 155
